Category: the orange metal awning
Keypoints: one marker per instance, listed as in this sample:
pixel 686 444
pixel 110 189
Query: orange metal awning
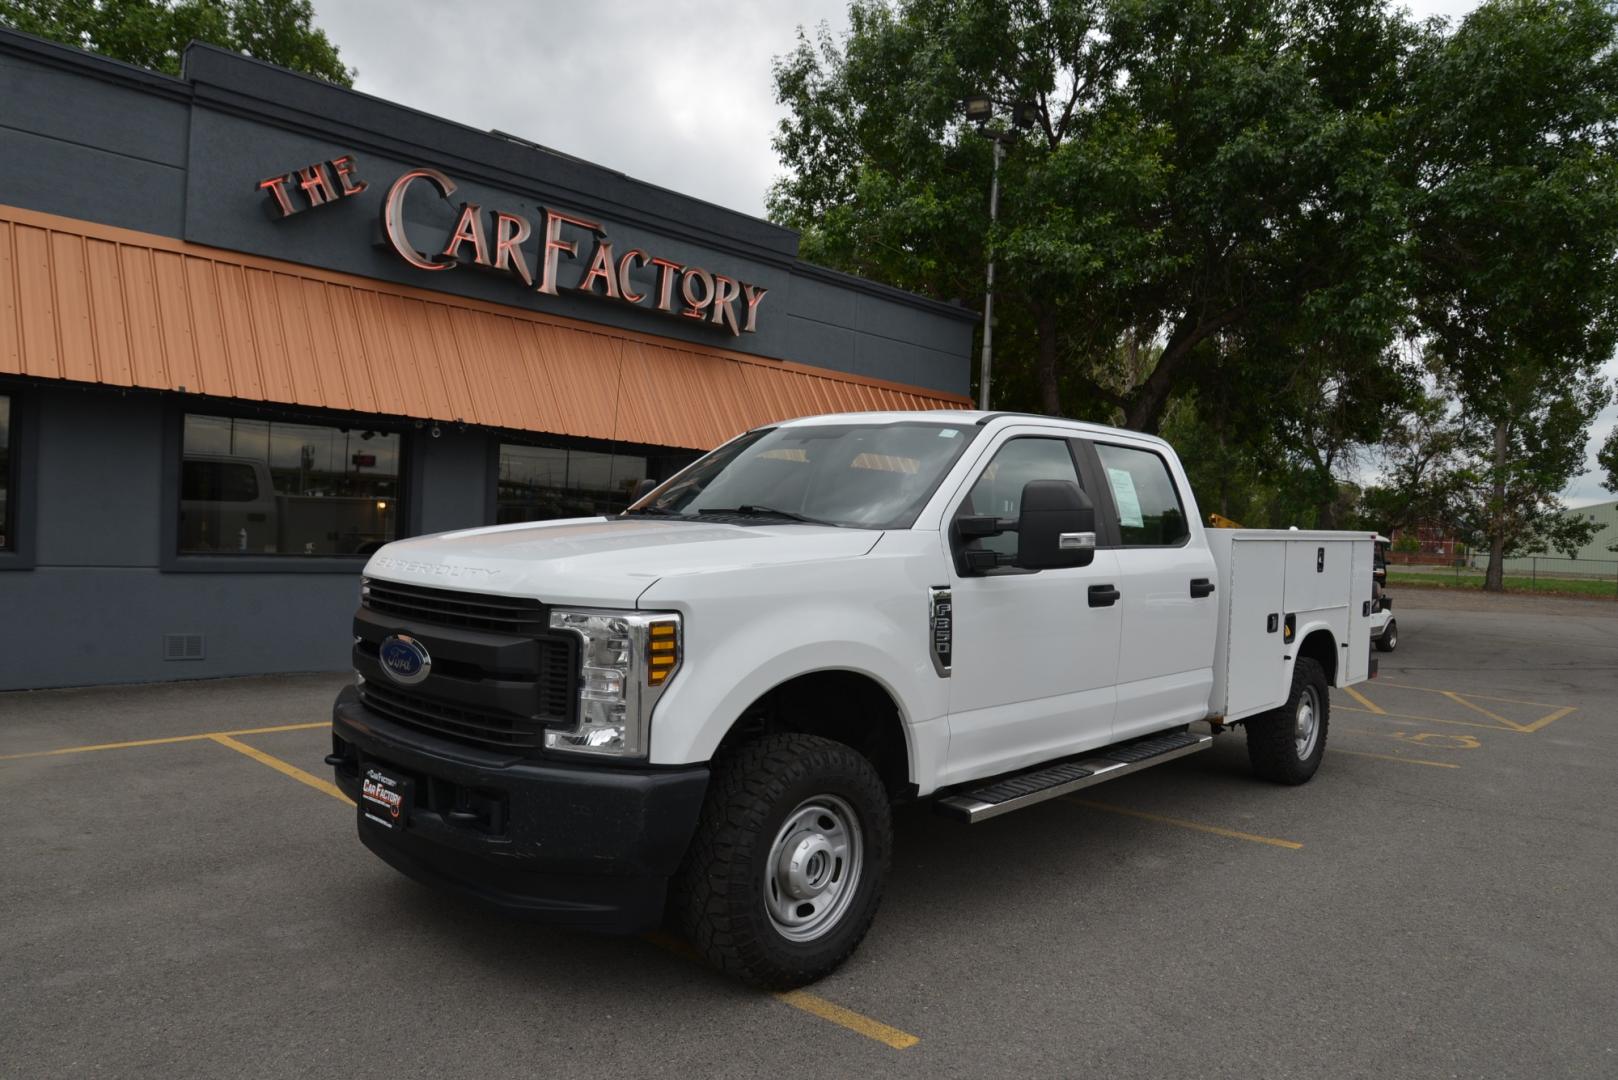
pixel 97 304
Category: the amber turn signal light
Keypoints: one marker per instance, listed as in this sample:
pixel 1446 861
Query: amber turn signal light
pixel 662 652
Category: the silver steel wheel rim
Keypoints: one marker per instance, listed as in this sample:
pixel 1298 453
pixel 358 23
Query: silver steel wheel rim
pixel 1392 635
pixel 813 870
pixel 1307 729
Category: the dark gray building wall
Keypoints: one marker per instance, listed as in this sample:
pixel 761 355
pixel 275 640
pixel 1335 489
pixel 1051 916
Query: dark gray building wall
pixel 95 140
pixel 455 481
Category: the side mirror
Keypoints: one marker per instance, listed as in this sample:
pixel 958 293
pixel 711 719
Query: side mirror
pixel 643 489
pixel 1056 527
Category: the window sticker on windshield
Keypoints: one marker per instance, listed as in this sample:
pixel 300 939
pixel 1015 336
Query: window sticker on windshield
pixel 947 433
pixel 1123 493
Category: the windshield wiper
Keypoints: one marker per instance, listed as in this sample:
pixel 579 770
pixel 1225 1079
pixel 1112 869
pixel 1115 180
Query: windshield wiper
pixel 750 510
pixel 651 511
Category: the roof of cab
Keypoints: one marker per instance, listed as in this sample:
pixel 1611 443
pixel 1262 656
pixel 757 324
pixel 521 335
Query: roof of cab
pixel 971 417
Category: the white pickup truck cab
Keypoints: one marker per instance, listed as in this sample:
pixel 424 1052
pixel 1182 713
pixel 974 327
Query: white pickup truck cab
pixel 712 700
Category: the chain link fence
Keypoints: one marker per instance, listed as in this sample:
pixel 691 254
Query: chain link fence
pixel 1548 573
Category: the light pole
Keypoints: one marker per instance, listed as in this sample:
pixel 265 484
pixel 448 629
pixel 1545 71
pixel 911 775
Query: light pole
pixel 979 108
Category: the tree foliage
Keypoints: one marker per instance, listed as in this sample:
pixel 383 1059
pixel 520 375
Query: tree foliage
pixel 1607 460
pixel 1514 223
pixel 154 33
pixel 1212 178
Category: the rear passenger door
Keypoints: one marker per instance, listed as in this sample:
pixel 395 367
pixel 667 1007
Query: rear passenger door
pixel 1167 576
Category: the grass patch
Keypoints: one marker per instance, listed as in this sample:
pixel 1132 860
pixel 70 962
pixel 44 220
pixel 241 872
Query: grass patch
pixel 1473 579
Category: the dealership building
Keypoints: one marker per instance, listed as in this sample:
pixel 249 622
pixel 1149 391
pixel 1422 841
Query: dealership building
pixel 254 325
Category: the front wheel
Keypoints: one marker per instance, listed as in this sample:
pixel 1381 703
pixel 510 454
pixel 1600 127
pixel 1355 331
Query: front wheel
pixel 1286 744
pixel 1389 638
pixel 786 869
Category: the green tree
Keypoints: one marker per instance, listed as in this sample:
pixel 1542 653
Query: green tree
pixel 1420 468
pixel 1514 225
pixel 1510 471
pixel 1206 185
pixel 154 33
pixel 1607 459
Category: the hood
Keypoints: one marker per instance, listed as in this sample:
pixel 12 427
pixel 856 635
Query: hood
pixel 604 562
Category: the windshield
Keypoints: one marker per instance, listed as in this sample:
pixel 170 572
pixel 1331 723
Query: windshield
pixel 867 476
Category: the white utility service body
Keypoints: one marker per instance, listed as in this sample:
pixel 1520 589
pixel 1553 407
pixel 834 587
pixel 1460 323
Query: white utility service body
pixel 1320 580
pixel 817 619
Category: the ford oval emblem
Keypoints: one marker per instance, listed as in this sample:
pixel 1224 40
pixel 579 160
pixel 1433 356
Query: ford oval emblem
pixel 404 659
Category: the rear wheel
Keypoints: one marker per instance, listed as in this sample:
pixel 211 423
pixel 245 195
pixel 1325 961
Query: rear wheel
pixel 1389 639
pixel 1286 744
pixel 786 869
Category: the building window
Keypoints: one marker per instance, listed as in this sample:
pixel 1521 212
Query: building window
pixel 537 483
pixel 264 487
pixel 8 531
pixel 1149 510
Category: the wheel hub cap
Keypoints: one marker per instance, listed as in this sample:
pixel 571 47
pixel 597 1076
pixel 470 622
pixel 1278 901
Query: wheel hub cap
pixel 1307 728
pixel 808 867
pixel 813 869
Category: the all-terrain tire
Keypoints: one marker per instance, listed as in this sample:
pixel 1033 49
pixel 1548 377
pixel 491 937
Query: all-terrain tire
pixel 763 798
pixel 1278 746
pixel 1388 640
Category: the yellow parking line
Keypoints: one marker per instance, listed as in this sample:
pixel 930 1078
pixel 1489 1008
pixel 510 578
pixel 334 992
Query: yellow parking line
pixel 1392 757
pixel 1424 719
pixel 1459 700
pixel 1550 718
pixel 813 1004
pixel 848 1018
pixel 1363 700
pixel 161 742
pixel 284 767
pixel 1234 834
pixel 1485 697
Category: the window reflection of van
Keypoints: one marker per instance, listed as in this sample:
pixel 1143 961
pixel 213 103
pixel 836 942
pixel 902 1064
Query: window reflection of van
pixel 229 505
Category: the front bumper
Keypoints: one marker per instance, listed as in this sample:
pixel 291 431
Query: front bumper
pixel 584 845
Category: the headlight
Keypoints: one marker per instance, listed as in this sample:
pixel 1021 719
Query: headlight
pixel 626 660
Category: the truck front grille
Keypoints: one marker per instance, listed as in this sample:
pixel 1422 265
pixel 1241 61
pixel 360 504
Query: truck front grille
pixel 492 731
pixel 500 676
pixel 446 607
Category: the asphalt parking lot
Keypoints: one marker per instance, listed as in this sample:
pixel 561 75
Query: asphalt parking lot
pixel 1442 900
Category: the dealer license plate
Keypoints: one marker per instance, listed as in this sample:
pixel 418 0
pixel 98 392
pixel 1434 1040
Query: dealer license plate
pixel 385 797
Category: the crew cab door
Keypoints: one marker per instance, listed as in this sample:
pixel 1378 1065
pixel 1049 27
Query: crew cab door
pixel 1035 653
pixel 1167 577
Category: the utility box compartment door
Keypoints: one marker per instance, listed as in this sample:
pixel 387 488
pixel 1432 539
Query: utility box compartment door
pixel 1317 574
pixel 1255 673
pixel 1357 657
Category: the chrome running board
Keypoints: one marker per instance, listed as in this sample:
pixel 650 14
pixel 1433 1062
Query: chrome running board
pixel 985 799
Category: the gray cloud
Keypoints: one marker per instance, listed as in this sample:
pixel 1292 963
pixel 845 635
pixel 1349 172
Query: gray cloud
pixel 677 93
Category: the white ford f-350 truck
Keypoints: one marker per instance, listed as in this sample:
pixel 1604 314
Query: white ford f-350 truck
pixel 709 703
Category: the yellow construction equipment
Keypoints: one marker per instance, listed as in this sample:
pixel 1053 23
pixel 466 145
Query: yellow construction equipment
pixel 1220 521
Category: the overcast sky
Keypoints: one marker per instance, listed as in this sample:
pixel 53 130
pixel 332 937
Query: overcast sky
pixel 676 92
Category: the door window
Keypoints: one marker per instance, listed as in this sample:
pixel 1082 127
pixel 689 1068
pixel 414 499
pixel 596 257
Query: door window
pixel 998 491
pixel 1149 510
